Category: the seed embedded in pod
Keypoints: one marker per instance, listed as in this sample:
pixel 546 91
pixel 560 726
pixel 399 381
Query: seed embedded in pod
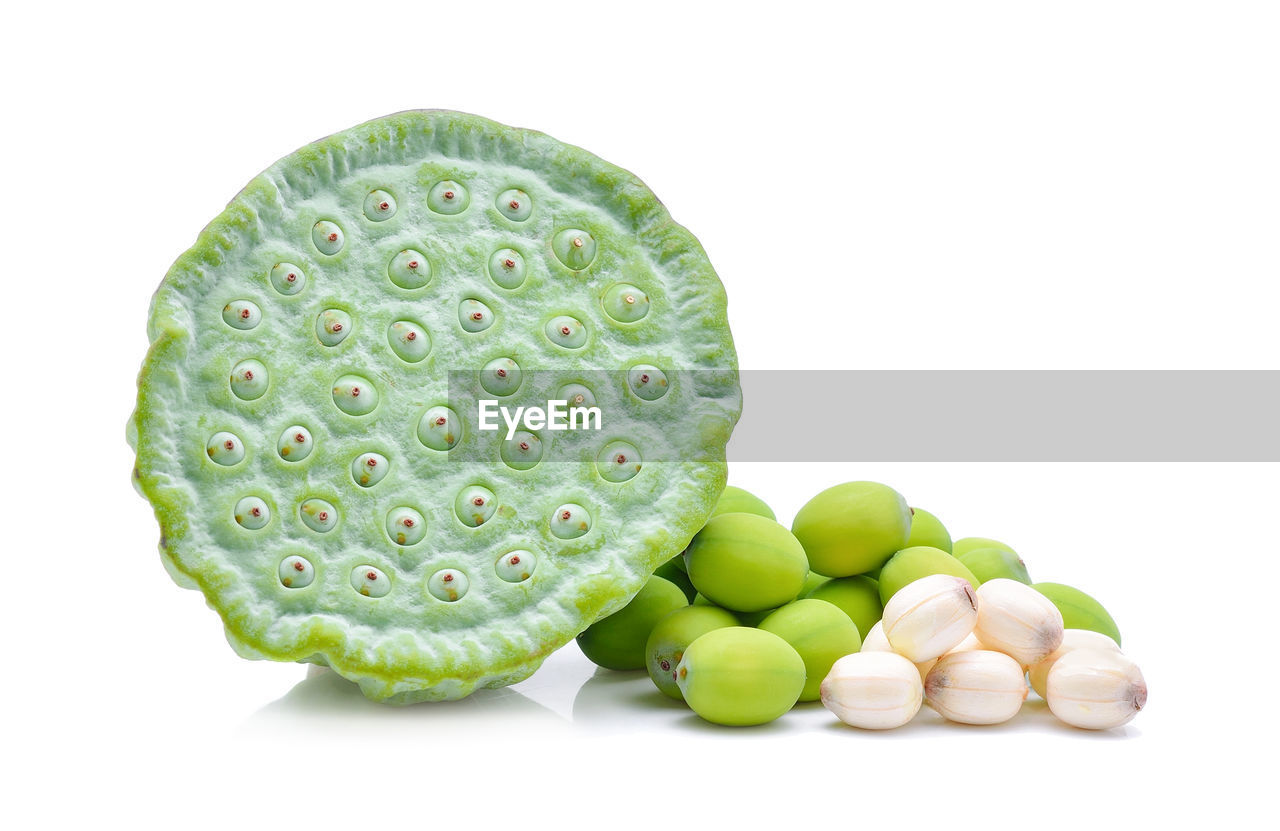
pixel 1096 689
pixel 522 451
pixel 575 248
pixel 625 303
pixel 370 581
pixel 474 316
pixel 327 237
pixel 566 331
pixel 448 584
pixel 930 616
pixel 249 380
pixel 618 461
pixel 501 377
pixel 647 381
pixel 332 326
pixel 516 566
pixel 1072 639
pixel 355 395
pixel 318 515
pixel 506 268
pixel 1017 620
pixel 475 505
pixel 409 269
pixel 570 521
pixel 405 526
pixel 409 340
pixel 224 448
pixel 873 690
pixel 379 206
pixel 448 198
pixel 296 572
pixel 241 314
pixel 287 278
pixel 251 512
pixel 440 428
pixel 295 443
pixel 976 687
pixel 514 204
pixel 368 469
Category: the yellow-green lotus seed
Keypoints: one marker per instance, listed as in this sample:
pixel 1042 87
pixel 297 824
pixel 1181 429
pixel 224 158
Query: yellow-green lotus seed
pixel 852 528
pixel 739 676
pixel 820 632
pixel 964 544
pixel 224 448
pixel 618 641
pixel 672 635
pixel 738 501
pixel 910 564
pixel 857 596
pixel 990 563
pixel 746 563
pixel 927 529
pixel 242 314
pixel 672 570
pixel 1079 610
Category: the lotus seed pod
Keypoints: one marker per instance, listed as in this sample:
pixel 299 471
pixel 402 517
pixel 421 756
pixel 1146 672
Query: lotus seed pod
pixel 739 676
pixel 1079 610
pixel 857 596
pixel 738 501
pixel 966 544
pixel 992 563
pixel 1095 689
pixel 1017 620
pixel 1072 639
pixel 672 635
pixel 338 293
pixel 852 528
pixel 930 616
pixel 671 570
pixel 910 564
pixel 927 529
pixel 976 687
pixel 873 690
pixel 820 632
pixel 746 563
pixel 618 641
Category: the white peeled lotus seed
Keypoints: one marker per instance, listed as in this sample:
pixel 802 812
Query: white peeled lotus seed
pixel 977 686
pixel 873 690
pixel 926 618
pixel 1096 689
pixel 967 645
pixel 1072 639
pixel 875 641
pixel 1017 620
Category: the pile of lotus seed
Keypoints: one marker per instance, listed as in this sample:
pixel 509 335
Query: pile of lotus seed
pixel 869 606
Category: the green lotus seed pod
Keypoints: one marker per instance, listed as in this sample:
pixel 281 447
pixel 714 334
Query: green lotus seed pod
pixel 341 293
pixel 910 564
pixel 671 570
pixel 927 529
pixel 965 544
pixel 852 528
pixel 1079 610
pixel 746 563
pixel 990 563
pixel 617 641
pixel 672 635
pixel 820 632
pixel 739 677
pixel 857 596
pixel 737 501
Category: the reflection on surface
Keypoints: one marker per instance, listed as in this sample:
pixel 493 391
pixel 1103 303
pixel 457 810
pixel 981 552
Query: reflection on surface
pixel 612 699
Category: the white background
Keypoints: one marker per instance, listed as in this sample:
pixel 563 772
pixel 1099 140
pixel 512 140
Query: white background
pixel 910 185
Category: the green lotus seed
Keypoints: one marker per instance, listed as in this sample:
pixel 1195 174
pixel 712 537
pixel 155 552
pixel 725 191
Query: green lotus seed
pixel 574 248
pixel 516 566
pixel 852 528
pixel 318 515
pixel 964 544
pixel 910 564
pixel 241 314
pixel 368 469
pixel 475 505
pixel 618 461
pixel 625 303
pixel 671 636
pixel 287 278
pixel 406 526
pixel 409 340
pixel 448 197
pixel 448 584
pixel 379 206
pixel 370 581
pixel 355 395
pixel 570 521
pixel 225 448
pixel 514 204
pixel 738 501
pixel 990 563
pixel 506 268
pixel 739 676
pixel 746 563
pixel 332 326
pixel 296 572
pixel 501 376
pixel 440 428
pixel 566 331
pixel 618 641
pixel 474 316
pixel 251 512
pixel 576 395
pixel 409 269
pixel 249 380
pixel 927 529
pixel 820 632
pixel 327 237
pixel 647 381
pixel 857 596
pixel 673 570
pixel 522 451
pixel 812 582
pixel 295 443
pixel 1079 610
